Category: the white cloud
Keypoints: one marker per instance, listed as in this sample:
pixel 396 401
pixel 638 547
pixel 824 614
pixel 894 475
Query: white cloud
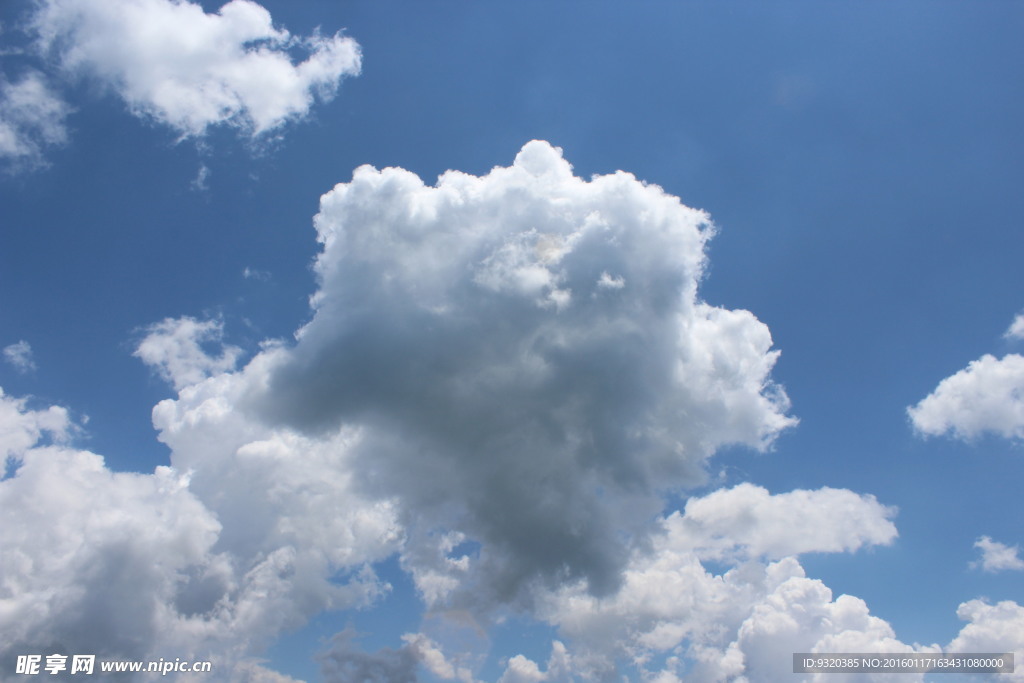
pixel 609 282
pixel 31 120
pixel 21 427
pixel 720 626
pixel 495 396
pixel 459 381
pixel 174 348
pixel 986 396
pixel 19 355
pixel 523 670
pixel 97 559
pixel 674 620
pixel 435 661
pixel 996 556
pixel 800 615
pixel 177 65
pixel 255 274
pixel 747 521
pixel 502 377
pixel 992 628
pixel 260 534
pixel 201 182
pixel 1016 329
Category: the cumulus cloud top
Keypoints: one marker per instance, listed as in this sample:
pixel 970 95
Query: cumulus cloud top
pixel 985 397
pixel 177 65
pixel 501 377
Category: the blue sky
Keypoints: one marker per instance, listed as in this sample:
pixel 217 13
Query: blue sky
pixel 861 165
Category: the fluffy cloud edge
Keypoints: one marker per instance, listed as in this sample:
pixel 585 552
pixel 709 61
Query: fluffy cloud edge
pixel 996 556
pixel 135 565
pixel 986 397
pixel 1016 328
pixel 175 64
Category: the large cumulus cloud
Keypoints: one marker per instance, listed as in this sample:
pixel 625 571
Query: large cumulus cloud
pixel 501 377
pixel 527 360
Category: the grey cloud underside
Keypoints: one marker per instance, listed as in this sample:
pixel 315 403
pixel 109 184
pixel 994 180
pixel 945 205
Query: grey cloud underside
pixel 345 661
pixel 526 358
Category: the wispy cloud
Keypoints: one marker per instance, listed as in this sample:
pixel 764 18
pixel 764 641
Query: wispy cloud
pixel 32 120
pixel 19 355
pixel 255 274
pixel 174 347
pixel 1016 329
pixel 201 182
